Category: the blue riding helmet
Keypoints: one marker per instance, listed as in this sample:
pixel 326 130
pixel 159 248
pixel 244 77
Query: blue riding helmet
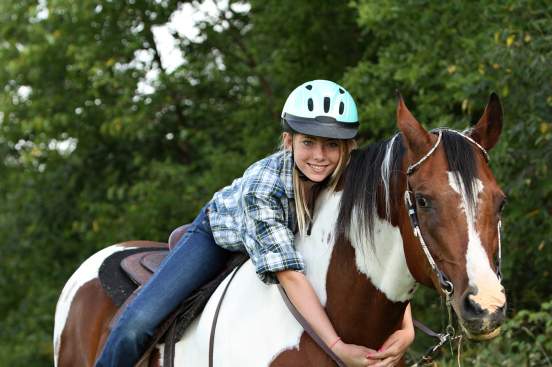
pixel 321 108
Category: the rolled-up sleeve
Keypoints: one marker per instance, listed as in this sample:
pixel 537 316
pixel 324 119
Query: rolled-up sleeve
pixel 268 240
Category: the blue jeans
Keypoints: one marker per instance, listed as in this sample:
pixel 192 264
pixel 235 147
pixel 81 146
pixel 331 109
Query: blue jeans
pixel 196 260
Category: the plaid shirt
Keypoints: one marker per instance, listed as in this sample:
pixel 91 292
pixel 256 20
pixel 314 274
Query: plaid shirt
pixel 256 213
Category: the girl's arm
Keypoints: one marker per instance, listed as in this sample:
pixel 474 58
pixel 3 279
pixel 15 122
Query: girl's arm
pixel 396 345
pixel 304 298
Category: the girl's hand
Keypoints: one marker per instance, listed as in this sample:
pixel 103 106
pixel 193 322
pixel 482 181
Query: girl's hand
pixel 393 349
pixel 353 355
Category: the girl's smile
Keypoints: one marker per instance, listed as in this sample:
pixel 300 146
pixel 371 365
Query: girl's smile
pixel 316 157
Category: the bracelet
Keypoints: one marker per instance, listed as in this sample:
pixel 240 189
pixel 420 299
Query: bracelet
pixel 335 342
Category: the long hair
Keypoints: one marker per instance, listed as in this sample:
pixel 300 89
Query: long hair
pixel 302 209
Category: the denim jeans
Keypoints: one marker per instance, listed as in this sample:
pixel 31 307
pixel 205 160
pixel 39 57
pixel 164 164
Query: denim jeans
pixel 196 260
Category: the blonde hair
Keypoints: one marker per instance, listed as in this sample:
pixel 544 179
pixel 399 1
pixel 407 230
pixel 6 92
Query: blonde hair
pixel 303 212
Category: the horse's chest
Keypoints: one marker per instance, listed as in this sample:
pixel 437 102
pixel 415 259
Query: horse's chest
pixel 382 260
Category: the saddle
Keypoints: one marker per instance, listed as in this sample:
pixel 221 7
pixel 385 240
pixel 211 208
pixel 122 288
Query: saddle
pixel 140 267
pixel 123 273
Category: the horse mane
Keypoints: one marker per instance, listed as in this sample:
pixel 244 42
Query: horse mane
pixel 374 181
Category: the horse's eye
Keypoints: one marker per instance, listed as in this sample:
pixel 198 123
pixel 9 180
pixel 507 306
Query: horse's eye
pixel 502 205
pixel 421 201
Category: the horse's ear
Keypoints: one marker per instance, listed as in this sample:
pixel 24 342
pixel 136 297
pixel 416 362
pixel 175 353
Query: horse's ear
pixel 487 131
pixel 416 138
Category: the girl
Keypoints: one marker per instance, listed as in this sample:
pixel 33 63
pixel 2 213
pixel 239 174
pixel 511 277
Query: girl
pixel 259 213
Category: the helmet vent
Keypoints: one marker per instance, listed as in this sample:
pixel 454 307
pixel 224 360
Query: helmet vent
pixel 341 91
pixel 309 87
pixel 310 104
pixel 341 108
pixel 326 104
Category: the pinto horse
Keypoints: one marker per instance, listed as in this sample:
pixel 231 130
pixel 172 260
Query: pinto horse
pixel 367 251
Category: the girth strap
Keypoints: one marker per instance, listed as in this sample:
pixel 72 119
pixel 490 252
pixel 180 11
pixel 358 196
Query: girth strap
pixel 304 323
pixel 215 317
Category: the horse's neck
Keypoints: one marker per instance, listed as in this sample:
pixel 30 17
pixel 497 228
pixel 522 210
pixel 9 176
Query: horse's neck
pixel 362 284
pixel 317 247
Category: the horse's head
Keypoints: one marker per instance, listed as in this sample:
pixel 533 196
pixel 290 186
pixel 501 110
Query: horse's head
pixel 456 204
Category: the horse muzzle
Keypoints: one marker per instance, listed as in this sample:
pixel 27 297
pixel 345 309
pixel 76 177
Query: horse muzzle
pixel 481 318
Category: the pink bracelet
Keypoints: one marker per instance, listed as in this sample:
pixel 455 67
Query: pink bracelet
pixel 334 343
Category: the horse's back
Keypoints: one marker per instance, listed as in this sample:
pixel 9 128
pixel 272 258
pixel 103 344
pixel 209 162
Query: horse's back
pixel 253 325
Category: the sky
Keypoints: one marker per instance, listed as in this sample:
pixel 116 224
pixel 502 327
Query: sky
pixel 184 21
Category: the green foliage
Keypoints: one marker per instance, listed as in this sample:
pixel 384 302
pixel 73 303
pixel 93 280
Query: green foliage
pixel 90 157
pixel 526 340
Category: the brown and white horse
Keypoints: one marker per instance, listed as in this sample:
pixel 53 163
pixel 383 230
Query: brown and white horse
pixel 362 258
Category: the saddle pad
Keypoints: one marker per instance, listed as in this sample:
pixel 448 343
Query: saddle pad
pixel 114 279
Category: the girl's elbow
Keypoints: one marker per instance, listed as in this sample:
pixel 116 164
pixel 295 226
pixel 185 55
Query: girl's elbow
pixel 289 276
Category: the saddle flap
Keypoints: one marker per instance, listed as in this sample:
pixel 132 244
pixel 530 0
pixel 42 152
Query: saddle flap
pixel 136 270
pixel 152 260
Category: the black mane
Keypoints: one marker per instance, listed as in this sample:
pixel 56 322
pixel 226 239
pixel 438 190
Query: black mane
pixel 369 177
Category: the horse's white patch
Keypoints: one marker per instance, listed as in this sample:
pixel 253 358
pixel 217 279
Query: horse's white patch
pixel 86 272
pixel 254 325
pixel 383 261
pixel 481 276
pixel 161 349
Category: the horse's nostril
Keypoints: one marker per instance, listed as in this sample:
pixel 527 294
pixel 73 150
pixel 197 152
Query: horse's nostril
pixel 470 307
pixel 501 313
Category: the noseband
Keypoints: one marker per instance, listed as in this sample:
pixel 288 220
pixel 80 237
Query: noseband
pixel 446 285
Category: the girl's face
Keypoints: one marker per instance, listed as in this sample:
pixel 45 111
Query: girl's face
pixel 316 157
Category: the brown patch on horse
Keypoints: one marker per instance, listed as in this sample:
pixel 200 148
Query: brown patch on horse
pixel 487 220
pixel 309 354
pixel 155 358
pixel 86 327
pixel 359 312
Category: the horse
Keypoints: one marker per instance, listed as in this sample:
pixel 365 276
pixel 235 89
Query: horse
pixel 422 207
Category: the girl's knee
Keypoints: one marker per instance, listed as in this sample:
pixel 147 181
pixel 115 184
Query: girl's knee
pixel 137 327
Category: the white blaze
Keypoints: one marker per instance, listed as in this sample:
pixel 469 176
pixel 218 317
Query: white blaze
pixel 481 276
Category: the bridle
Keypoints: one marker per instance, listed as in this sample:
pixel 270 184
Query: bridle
pixel 445 284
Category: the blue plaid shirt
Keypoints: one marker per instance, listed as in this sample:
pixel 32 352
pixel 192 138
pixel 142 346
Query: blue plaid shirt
pixel 256 213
